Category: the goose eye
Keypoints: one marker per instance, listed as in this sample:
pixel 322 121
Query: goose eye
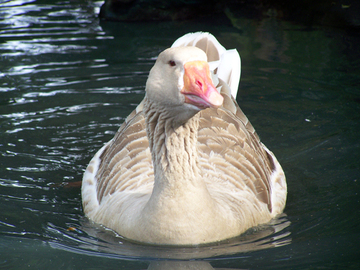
pixel 172 63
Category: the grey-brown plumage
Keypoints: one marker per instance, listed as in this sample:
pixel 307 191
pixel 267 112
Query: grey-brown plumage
pixel 174 177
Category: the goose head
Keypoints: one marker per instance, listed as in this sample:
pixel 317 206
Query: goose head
pixel 180 82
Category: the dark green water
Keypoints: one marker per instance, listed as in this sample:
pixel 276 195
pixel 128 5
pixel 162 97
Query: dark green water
pixel 67 81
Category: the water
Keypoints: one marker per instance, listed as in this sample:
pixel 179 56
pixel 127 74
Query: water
pixel 67 81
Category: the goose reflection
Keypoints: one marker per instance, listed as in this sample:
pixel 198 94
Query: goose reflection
pixel 183 265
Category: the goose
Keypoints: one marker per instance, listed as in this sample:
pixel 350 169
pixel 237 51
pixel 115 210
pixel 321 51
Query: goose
pixel 186 167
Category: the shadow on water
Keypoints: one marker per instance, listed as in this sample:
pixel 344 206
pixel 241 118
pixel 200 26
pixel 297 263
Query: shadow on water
pixel 68 81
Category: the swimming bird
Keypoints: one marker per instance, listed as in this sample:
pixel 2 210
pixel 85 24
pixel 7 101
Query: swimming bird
pixel 186 167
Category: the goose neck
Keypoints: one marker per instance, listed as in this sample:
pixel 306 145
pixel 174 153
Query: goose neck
pixel 173 148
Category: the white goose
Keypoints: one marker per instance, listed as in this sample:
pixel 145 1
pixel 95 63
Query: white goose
pixel 186 167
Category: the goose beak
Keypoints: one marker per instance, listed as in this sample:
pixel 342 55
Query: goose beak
pixel 198 87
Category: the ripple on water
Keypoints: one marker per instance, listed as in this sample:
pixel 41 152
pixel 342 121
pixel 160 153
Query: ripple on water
pixel 91 239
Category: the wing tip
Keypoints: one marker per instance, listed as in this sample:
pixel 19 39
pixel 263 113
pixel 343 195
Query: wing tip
pixel 89 183
pixel 278 185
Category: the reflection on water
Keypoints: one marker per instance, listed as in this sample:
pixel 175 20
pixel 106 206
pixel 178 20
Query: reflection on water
pixel 177 265
pixel 68 81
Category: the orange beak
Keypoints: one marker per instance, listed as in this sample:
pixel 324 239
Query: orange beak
pixel 198 87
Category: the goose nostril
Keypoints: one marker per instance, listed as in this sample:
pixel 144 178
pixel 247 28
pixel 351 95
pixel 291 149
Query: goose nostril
pixel 198 83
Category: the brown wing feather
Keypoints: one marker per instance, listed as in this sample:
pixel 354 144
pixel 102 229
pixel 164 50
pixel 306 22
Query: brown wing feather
pixel 126 161
pixel 227 138
pixel 230 148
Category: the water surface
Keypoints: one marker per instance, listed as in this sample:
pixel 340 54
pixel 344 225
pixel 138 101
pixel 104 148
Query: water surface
pixel 67 81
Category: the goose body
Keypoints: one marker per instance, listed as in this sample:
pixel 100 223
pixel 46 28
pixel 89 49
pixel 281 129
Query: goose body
pixel 186 167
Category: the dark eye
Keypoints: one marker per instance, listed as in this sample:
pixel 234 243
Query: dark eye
pixel 172 63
